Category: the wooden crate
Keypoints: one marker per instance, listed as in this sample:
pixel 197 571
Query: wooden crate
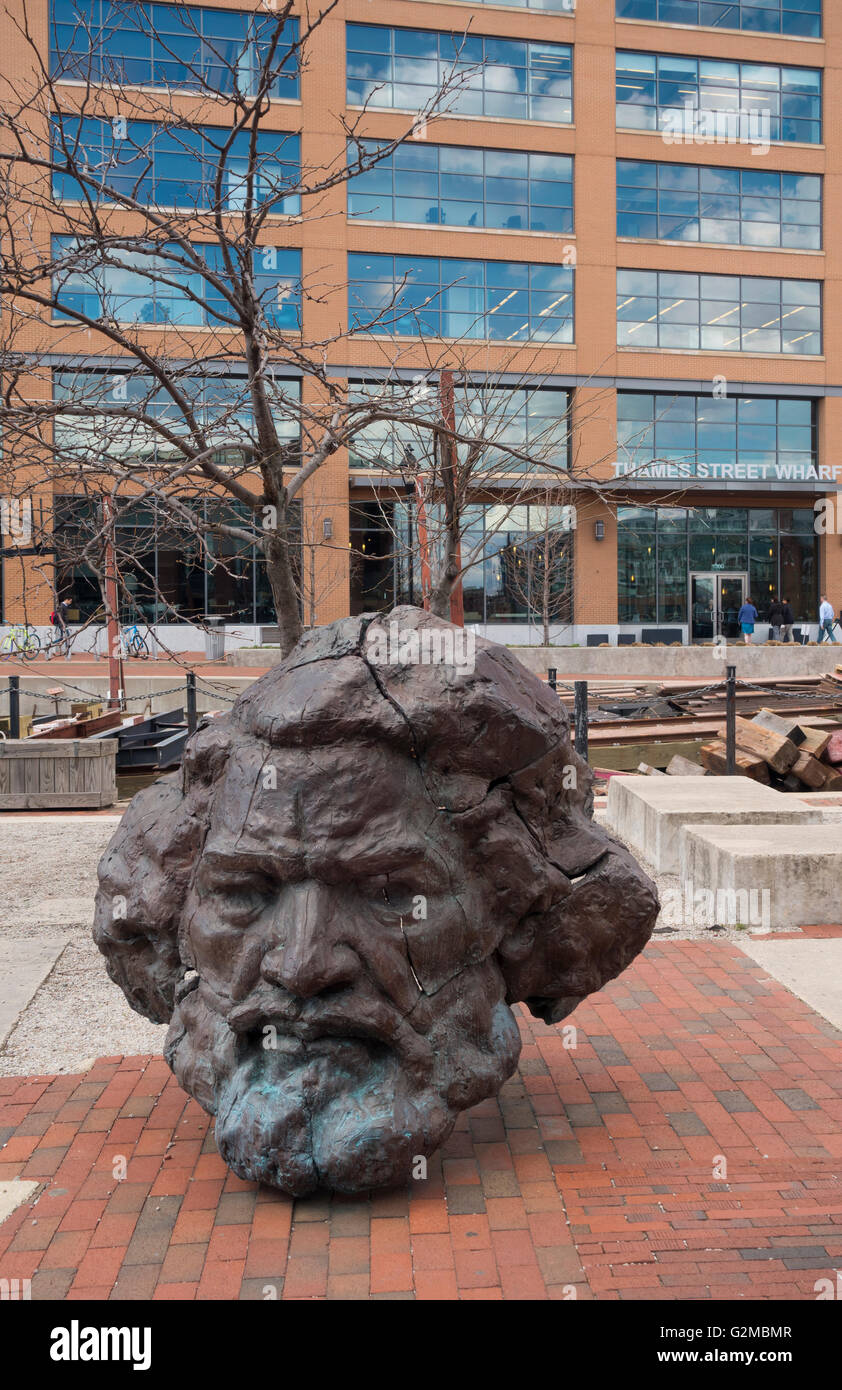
pixel 52 774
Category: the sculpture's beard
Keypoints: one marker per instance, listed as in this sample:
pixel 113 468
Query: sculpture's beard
pixel 337 1112
pixel 309 1105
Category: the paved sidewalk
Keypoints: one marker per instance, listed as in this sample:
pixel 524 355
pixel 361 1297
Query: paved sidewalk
pixel 598 1173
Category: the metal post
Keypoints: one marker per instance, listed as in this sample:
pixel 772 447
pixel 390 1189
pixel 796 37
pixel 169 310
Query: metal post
pixel 14 707
pixel 731 720
pixel 191 702
pixel 552 678
pixel 580 716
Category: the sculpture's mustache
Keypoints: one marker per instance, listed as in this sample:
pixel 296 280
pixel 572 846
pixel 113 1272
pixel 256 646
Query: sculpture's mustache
pixel 345 1014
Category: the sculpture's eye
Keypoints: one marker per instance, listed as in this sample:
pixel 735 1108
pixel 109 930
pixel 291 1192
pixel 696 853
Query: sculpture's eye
pixel 396 897
pixel 242 896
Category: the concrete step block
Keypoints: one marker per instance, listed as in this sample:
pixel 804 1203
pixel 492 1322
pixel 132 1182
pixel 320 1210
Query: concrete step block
pixel 649 812
pixel 791 873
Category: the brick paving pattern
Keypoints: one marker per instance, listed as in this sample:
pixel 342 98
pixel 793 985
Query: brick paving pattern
pixel 597 1173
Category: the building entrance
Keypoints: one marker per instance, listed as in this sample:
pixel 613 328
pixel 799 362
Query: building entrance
pixel 715 603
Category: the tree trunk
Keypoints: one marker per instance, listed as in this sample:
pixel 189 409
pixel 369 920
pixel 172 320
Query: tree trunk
pixel 284 595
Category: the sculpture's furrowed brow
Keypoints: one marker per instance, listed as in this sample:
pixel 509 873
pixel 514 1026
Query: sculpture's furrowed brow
pixel 369 861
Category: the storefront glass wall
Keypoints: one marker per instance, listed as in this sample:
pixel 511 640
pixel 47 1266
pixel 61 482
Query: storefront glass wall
pixel 513 548
pixel 660 547
pixel 165 575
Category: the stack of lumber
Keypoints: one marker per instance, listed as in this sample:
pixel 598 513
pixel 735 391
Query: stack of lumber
pixel 78 726
pixel 781 751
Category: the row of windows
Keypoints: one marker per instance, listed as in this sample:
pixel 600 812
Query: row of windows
pixel 446 297
pixel 802 18
pixel 183 46
pixel 220 404
pixel 448 185
pixel 408 68
pixel 660 435
pixel 145 287
pixel 746 207
pixel 176 167
pixel 671 93
pixel 437 297
pixel 535 421
pixel 505 584
pixel 726 313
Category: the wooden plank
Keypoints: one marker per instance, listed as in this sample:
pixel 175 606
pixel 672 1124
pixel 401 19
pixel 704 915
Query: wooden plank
pixel 683 767
pixel 715 758
pixel 52 801
pixel 787 728
pixel 780 753
pixel 809 771
pixel 815 741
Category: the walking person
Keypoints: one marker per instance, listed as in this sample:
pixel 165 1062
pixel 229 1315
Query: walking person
pixel 59 621
pixel 776 619
pixel 788 620
pixel 827 621
pixel 746 618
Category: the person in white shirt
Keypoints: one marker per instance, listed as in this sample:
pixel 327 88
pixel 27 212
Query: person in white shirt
pixel 826 621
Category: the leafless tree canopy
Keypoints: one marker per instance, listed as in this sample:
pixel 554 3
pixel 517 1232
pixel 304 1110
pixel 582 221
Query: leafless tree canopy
pixel 153 345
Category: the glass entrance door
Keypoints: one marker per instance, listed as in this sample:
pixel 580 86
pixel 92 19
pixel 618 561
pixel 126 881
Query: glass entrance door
pixel 731 597
pixel 715 603
pixel 702 607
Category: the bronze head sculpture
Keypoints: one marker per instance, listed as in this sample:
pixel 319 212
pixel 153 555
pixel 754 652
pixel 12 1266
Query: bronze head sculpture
pixel 354 875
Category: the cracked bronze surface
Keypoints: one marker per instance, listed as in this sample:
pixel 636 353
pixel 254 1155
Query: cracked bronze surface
pixel 354 875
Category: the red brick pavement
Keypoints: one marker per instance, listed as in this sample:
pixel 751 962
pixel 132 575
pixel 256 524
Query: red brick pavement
pixel 598 1173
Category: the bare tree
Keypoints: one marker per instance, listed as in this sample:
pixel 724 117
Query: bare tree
pixel 541 564
pixel 152 344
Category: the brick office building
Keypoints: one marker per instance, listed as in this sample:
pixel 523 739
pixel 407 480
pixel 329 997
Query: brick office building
pixel 685 150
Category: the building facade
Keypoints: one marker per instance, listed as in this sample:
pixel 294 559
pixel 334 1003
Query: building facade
pixel 645 192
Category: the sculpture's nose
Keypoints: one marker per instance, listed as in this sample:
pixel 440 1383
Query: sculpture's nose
pixel 309 958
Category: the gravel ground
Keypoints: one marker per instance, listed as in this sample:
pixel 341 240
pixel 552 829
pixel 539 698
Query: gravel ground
pixel 47 887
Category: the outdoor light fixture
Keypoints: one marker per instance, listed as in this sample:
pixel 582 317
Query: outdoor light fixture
pixel 599 530
pixel 327 528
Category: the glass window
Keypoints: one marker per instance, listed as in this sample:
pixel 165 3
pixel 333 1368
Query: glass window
pixel 668 202
pixel 175 167
pixel 510 546
pixel 533 421
pixel 802 18
pixel 746 439
pixel 145 287
pixel 724 313
pixel 410 69
pixel 187 47
pixel 449 186
pixel 165 573
pixel 691 100
pixel 118 413
pixel 448 298
pixel 654 562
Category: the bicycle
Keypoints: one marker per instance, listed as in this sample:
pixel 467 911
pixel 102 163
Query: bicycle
pixel 133 643
pixel 21 640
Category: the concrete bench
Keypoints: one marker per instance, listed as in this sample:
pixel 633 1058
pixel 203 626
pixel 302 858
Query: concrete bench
pixel 649 812
pixel 797 867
